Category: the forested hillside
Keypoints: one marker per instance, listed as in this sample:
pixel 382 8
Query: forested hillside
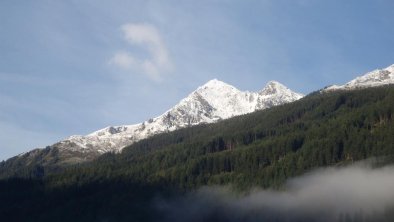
pixel 260 149
pixel 263 148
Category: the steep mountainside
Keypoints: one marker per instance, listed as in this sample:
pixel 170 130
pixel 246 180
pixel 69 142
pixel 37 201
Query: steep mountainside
pixel 377 77
pixel 211 102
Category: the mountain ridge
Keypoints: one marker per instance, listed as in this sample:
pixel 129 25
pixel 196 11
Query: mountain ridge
pixel 261 149
pixel 211 102
pixel 373 78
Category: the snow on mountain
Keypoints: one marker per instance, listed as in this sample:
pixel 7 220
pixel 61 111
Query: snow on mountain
pixel 211 102
pixel 377 77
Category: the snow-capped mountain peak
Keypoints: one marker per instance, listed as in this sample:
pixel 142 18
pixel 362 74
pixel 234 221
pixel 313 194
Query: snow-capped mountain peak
pixel 215 84
pixel 213 101
pixel 374 78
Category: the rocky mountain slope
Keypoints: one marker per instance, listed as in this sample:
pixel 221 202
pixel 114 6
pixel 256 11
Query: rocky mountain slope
pixel 211 102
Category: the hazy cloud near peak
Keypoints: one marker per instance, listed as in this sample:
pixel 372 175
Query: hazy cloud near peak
pixel 148 37
pixel 355 193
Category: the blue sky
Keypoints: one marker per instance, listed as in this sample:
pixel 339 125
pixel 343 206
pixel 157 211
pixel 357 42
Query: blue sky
pixel 72 67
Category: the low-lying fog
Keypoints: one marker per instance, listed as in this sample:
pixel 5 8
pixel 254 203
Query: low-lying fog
pixel 355 193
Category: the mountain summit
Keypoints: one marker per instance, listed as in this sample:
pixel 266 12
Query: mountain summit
pixel 209 103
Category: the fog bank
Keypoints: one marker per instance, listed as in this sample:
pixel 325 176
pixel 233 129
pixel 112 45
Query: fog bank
pixel 355 193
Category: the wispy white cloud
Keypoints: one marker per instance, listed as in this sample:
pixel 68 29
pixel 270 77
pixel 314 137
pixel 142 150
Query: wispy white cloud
pixel 148 37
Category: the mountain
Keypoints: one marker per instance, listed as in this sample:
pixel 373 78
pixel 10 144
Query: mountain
pixel 209 103
pixel 374 78
pixel 260 149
